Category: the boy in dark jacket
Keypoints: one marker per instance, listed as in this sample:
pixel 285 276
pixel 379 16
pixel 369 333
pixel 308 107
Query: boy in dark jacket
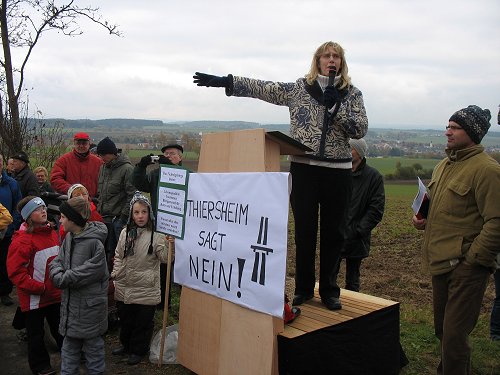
pixel 80 270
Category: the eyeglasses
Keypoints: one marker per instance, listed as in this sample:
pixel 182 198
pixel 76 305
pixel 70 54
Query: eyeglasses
pixel 81 141
pixel 453 127
pixel 170 153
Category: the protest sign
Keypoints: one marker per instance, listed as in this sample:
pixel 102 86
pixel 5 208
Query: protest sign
pixel 172 194
pixel 235 242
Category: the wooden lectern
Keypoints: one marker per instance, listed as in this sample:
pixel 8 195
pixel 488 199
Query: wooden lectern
pixel 217 337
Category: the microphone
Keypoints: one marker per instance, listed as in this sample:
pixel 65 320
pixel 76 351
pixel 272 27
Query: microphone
pixel 331 76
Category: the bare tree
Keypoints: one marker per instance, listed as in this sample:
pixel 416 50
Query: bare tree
pixel 22 24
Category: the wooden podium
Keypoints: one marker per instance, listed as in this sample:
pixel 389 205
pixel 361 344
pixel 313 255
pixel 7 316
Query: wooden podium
pixel 217 337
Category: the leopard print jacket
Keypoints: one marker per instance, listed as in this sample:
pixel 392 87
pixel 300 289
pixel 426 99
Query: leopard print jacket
pixel 307 114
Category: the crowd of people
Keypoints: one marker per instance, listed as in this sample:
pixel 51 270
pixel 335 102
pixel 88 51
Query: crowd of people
pixel 62 268
pixel 65 265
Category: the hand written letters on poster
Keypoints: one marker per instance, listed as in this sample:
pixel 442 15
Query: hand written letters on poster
pixel 172 190
pixel 235 239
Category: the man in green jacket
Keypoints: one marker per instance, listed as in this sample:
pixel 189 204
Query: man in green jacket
pixel 114 192
pixel 462 235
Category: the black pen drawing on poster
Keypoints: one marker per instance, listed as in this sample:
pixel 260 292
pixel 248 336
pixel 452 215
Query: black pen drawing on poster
pixel 235 241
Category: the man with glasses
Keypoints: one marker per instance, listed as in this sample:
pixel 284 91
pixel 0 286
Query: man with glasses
pixel 462 235
pixel 78 166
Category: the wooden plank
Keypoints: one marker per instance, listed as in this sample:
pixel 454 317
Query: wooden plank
pixel 367 298
pixel 250 332
pixel 198 346
pixel 314 315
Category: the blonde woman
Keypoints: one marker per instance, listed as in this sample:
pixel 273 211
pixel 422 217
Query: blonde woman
pixel 325 111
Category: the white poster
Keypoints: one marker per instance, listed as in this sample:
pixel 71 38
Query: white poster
pixel 235 239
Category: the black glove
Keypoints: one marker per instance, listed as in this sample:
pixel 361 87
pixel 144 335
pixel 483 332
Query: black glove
pixel 202 79
pixel 145 161
pixel 331 96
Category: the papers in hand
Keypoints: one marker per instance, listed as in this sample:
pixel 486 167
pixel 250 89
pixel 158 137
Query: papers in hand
pixel 421 202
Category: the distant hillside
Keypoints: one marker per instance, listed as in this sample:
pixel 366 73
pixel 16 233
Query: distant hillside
pixel 158 125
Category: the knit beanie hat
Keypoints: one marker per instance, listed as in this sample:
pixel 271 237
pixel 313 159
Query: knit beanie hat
pixel 474 120
pixel 73 187
pixel 106 146
pixel 31 206
pixel 77 210
pixel 360 146
pixel 132 228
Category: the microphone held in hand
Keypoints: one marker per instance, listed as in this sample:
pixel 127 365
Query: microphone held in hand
pixel 331 76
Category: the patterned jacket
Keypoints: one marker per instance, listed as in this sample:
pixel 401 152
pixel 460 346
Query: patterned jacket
pixel 464 215
pixel 307 113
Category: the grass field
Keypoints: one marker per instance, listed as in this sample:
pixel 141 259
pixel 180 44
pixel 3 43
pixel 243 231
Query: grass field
pixel 388 165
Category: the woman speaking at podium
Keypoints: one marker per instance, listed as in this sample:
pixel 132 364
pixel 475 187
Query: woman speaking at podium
pixel 325 111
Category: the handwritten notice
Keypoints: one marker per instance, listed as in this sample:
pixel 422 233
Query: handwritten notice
pixel 235 242
pixel 172 193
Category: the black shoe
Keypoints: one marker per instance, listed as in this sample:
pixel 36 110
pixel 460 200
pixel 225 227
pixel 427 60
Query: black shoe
pixel 332 303
pixel 6 300
pixel 119 351
pixel 299 299
pixel 134 359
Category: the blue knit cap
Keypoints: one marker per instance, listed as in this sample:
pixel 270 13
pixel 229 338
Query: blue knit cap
pixel 31 206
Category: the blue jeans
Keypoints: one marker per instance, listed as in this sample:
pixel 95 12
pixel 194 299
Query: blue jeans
pixel 495 311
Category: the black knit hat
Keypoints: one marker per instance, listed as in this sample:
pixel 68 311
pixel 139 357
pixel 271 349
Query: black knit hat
pixel 21 155
pixel 474 120
pixel 106 146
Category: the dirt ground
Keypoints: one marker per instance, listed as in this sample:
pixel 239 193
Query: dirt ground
pixel 392 271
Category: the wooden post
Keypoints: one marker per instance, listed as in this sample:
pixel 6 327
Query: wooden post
pixel 165 306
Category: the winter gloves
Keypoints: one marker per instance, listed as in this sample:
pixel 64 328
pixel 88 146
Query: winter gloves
pixel 331 96
pixel 208 80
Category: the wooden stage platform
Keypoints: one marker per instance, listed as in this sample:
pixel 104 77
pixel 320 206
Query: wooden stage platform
pixel 361 338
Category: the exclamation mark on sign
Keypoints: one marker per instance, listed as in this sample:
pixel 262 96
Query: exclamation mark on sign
pixel 241 264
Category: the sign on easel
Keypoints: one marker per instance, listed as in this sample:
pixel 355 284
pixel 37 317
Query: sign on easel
pixel 172 194
pixel 235 243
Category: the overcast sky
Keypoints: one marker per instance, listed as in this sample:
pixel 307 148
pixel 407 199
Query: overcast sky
pixel 416 62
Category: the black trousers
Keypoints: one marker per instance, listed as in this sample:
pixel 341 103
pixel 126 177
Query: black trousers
pixel 136 327
pixel 352 273
pixel 5 284
pixel 38 357
pixel 324 193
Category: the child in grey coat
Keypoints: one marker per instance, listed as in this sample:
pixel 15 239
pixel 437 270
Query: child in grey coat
pixel 80 270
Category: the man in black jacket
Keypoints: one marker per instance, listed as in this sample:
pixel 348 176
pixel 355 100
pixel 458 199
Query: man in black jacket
pixel 366 209
pixel 24 175
pixel 148 182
